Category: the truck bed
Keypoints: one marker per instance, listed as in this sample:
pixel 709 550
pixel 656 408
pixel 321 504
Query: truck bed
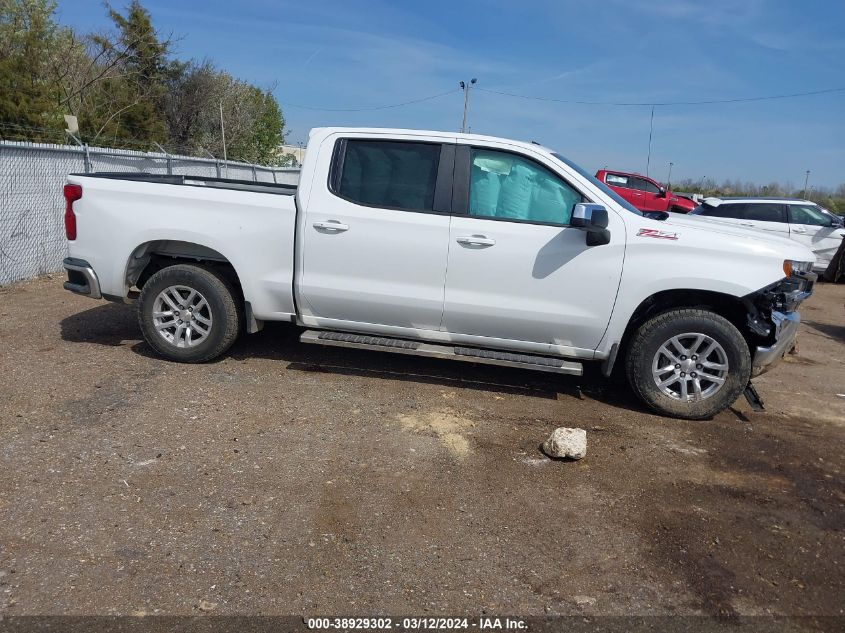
pixel 198 181
pixel 125 218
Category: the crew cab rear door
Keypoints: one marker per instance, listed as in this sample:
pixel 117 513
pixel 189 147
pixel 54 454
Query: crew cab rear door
pixel 518 272
pixel 373 243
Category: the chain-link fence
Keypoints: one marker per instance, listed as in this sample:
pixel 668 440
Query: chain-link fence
pixel 32 236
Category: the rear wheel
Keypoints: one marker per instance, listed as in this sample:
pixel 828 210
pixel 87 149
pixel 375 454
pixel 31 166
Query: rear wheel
pixel 688 363
pixel 188 313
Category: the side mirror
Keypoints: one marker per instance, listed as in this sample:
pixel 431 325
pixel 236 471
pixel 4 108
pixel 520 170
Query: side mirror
pixel 661 193
pixel 593 220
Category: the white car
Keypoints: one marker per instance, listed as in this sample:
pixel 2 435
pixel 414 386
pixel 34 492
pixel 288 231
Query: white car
pixel 457 246
pixel 799 220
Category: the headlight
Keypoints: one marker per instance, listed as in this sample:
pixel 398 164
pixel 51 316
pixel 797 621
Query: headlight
pixel 791 267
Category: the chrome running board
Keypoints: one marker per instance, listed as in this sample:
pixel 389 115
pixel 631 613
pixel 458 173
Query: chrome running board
pixel 435 350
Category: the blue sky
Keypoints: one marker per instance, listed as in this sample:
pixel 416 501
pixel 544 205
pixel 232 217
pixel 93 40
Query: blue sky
pixel 334 54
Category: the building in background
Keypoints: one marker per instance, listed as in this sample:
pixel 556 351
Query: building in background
pixel 296 151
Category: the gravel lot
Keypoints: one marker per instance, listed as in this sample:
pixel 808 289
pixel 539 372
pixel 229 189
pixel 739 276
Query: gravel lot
pixel 288 478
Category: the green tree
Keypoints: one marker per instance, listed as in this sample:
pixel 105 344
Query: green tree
pixel 191 89
pixel 251 116
pixel 130 101
pixel 265 132
pixel 125 88
pixel 28 99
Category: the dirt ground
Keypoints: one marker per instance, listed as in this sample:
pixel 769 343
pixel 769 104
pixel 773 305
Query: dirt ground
pixel 294 479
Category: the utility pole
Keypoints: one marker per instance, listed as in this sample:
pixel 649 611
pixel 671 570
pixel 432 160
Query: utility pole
pixel 806 178
pixel 465 87
pixel 223 135
pixel 669 178
pixel 650 130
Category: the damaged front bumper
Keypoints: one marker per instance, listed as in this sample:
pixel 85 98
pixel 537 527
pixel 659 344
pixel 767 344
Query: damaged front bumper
pixel 775 318
pixel 786 329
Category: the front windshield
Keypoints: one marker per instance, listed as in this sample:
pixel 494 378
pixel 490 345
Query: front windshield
pixel 598 183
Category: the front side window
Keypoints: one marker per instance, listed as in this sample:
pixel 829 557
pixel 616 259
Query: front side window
pixel 650 187
pixel 807 214
pixel 641 184
pixel 389 174
pixel 507 186
pixel 636 183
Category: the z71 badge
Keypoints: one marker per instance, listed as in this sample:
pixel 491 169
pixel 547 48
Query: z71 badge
pixel 661 235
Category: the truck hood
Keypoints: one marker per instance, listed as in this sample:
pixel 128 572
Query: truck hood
pixel 789 248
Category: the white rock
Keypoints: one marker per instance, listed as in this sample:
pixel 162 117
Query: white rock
pixel 564 442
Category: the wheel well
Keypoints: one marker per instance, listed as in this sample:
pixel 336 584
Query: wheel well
pixel 727 306
pixel 151 257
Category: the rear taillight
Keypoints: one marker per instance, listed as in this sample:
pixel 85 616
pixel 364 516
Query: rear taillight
pixel 72 194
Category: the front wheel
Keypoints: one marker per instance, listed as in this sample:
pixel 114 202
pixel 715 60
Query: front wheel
pixel 188 314
pixel 688 363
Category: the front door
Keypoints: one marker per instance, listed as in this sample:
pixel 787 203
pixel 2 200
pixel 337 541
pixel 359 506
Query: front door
pixel 518 276
pixel 373 245
pixel 813 228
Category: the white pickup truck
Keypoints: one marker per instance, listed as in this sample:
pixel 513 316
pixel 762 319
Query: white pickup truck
pixel 448 245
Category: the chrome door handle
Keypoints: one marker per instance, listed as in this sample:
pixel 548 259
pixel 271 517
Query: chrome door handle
pixel 746 224
pixel 476 240
pixel 799 230
pixel 332 225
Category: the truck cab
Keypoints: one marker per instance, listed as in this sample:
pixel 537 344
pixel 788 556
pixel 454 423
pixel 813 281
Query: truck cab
pixel 645 193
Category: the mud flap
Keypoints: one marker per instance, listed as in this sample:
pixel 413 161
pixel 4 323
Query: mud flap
pixel 753 397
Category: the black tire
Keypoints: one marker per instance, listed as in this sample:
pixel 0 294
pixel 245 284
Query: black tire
pixel 221 304
pixel 657 331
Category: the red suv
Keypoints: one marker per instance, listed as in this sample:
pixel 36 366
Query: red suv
pixel 644 193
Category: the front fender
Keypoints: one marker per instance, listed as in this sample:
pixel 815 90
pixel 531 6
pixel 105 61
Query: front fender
pixel 691 261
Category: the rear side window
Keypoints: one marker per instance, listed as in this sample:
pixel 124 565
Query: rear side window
pixel 389 174
pixel 510 187
pixel 705 209
pixel 756 212
pixel 752 211
pixel 617 180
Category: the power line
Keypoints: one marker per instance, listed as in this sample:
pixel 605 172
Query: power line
pixel 370 108
pixel 666 103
